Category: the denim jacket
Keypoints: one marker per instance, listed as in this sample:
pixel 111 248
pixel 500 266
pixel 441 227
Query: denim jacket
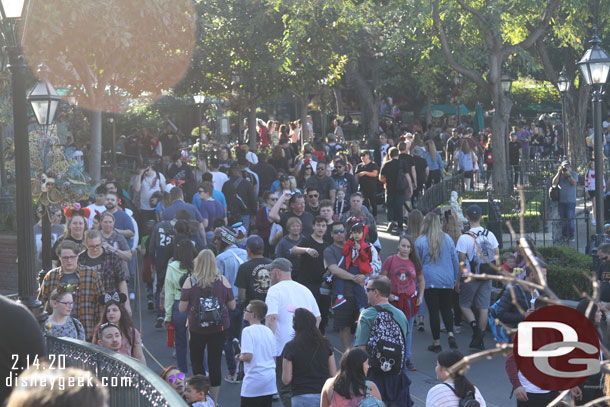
pixel 444 272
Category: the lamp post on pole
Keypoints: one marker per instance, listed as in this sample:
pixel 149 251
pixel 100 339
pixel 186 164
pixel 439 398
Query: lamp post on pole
pixel 199 101
pixel 10 14
pixel 506 81
pixel 594 67
pixel 563 84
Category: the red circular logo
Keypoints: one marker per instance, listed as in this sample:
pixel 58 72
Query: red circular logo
pixel 556 348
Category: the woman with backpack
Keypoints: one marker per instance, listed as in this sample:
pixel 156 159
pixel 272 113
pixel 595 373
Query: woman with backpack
pixel 453 391
pixel 177 271
pixel 349 387
pixel 207 298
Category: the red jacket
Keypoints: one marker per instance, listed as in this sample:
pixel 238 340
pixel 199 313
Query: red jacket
pixel 363 261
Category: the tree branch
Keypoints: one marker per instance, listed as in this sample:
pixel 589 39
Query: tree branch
pixel 536 33
pixel 491 38
pixel 547 65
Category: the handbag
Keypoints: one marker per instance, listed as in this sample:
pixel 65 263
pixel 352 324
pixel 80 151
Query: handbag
pixel 554 193
pixel 369 400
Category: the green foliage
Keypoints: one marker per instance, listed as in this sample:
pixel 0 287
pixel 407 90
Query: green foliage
pixel 8 222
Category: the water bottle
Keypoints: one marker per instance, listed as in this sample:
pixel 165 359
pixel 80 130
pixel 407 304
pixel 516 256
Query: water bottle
pixel 171 329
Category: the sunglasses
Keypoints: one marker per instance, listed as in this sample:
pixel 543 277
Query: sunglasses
pixel 336 232
pixel 368 290
pixel 248 310
pixel 313 196
pixel 172 379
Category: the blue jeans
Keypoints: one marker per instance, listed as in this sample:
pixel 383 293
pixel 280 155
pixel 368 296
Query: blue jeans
pixel 567 212
pixel 306 400
pixel 409 340
pixel 246 221
pixel 236 317
pixel 180 337
pixel 131 265
pixel 359 294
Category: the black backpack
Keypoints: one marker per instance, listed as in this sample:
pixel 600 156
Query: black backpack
pixel 386 346
pixel 209 313
pixel 466 401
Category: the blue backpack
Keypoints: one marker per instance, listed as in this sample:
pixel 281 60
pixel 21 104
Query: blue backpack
pixel 497 330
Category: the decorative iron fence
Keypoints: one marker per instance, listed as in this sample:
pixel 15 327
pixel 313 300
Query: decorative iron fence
pixel 441 192
pixel 128 381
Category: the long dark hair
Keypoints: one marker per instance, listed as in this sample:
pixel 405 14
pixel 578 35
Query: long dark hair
pixel 449 358
pixel 126 325
pixel 413 256
pixel 305 330
pixel 184 252
pixel 350 380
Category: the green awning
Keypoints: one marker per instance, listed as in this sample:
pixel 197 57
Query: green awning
pixel 445 109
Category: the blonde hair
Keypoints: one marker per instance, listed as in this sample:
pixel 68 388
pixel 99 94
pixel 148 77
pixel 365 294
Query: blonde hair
pixel 434 234
pixel 205 271
pixel 291 221
pixel 431 148
pixel 451 224
pixel 414 223
pixel 67 232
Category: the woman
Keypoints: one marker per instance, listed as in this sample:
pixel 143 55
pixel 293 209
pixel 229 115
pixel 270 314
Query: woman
pixel 452 226
pixel 175 378
pixel 441 269
pixel 414 223
pixel 284 132
pixel 404 270
pixel 452 388
pixel 75 230
pixel 60 323
pixel 464 161
pixel 278 159
pixel 96 222
pixel 593 386
pixel 305 173
pixel 294 226
pixel 114 311
pixel 287 183
pixel 590 186
pixel 354 154
pixel 435 163
pixel 488 160
pixel 307 360
pixel 262 221
pixel 274 135
pixel 182 265
pixel 349 386
pixel 293 135
pixel 113 240
pixel 206 282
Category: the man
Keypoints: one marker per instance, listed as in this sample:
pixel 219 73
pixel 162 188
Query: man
pixel 508 312
pixel 311 270
pixel 451 145
pixel 210 208
pixel 395 195
pixel 88 283
pixel 524 136
pixel 266 173
pixel 323 183
pixel 107 264
pixel 253 279
pixel 296 209
pixel 284 296
pixel 359 211
pixel 216 194
pixel 228 261
pixel 181 175
pixel 249 175
pixel 219 178
pixel 382 149
pixel 99 205
pixel 408 162
pixel 313 205
pixel 378 292
pixel 346 314
pixel 122 221
pixel 366 175
pixel 109 336
pixel 514 150
pixel 309 135
pixel 477 248
pixel 147 182
pixel 344 180
pixel 567 179
pixel 241 197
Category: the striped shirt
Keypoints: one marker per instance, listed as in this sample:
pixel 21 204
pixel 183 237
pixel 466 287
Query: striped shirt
pixel 85 296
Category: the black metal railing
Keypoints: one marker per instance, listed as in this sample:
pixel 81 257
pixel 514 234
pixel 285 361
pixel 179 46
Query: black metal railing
pixel 128 381
pixel 441 192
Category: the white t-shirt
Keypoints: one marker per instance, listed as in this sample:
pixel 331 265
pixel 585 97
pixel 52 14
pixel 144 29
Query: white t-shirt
pixel 219 179
pixel 467 246
pixel 148 187
pixel 93 207
pixel 259 378
pixel 282 300
pixel 442 396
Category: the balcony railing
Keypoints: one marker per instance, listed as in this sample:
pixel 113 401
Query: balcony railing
pixel 128 381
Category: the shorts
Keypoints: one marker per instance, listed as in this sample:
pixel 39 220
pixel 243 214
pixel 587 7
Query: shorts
pixel 346 315
pixel 467 174
pixel 477 293
pixel 591 194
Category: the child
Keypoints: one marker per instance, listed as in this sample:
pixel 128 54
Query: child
pixel 508 262
pixel 357 254
pixel 257 350
pixel 341 205
pixel 196 392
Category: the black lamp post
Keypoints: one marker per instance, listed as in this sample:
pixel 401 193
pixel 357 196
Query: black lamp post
pixel 199 101
pixel 458 81
pixel 506 81
pixel 594 67
pixel 563 84
pixel 10 14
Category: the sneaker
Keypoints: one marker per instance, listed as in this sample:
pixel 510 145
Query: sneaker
pixel 132 296
pixel 232 378
pixel 151 305
pixel 338 302
pixel 477 341
pixel 159 322
pixel 410 365
pixel 390 226
pixel 452 342
pixel 435 348
pixel 420 326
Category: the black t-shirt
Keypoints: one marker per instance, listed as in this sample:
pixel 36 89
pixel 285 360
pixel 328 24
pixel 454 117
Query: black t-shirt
pixel 93 264
pixel 306 219
pixel 367 184
pixel 79 243
pixel 390 171
pixel 420 170
pixel 312 268
pixel 603 275
pixel 254 277
pixel 266 175
pixel 513 152
pixel 309 366
pixel 314 211
pixel 408 162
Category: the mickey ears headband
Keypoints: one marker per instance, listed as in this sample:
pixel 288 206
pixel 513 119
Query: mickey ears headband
pixel 116 297
pixel 70 211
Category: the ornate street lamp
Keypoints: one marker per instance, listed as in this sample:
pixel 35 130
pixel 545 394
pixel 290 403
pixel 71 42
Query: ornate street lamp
pixel 594 67
pixel 506 81
pixel 10 14
pixel 563 84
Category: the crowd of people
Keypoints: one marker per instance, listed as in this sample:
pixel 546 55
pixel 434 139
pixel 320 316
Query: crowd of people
pixel 251 256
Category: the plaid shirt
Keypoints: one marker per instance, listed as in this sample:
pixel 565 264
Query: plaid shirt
pixel 85 297
pixel 112 271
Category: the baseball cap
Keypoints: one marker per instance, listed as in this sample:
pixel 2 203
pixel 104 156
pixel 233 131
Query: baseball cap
pixel 473 210
pixel 340 161
pixel 280 263
pixel 227 235
pixel 255 243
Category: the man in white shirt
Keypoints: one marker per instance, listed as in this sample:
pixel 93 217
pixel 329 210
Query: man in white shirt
pixel 218 177
pixel 99 205
pixel 283 298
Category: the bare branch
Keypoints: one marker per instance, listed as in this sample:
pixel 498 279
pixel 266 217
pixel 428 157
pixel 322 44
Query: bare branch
pixel 463 365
